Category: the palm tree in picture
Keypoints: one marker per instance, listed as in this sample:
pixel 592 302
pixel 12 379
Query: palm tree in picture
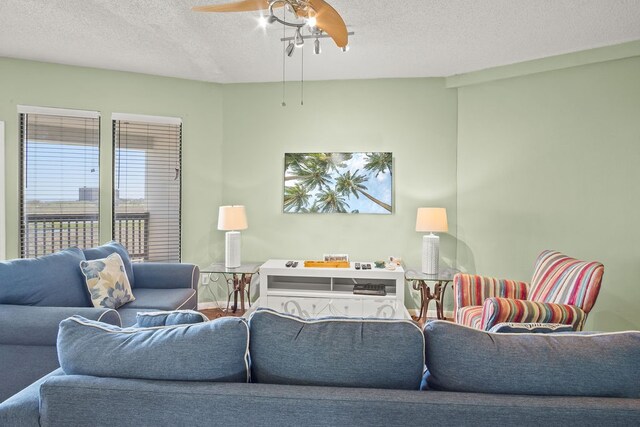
pixel 329 161
pixel 378 163
pixel 310 176
pixel 296 198
pixel 293 160
pixel 353 183
pixel 330 201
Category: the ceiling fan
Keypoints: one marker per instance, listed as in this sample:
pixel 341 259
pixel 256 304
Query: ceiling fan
pixel 318 15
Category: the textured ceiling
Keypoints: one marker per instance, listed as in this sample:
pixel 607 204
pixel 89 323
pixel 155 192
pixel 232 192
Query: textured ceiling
pixel 393 38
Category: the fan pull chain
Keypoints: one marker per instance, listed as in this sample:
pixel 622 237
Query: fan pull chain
pixel 284 33
pixel 302 76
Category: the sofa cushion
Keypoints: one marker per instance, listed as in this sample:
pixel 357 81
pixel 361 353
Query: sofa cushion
pixel 109 248
pixel 151 319
pixel 52 280
pixel 209 351
pixel 163 299
pixel 464 359
pixel 107 281
pixel 528 328
pixel 341 352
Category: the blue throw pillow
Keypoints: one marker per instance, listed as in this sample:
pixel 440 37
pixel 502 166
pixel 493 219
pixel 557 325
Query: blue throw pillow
pixel 338 352
pixel 106 250
pixel 464 359
pixel 52 280
pixel 209 351
pixel 528 328
pixel 150 319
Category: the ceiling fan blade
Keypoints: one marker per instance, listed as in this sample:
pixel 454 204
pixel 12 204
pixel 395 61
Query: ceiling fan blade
pixel 330 21
pixel 239 6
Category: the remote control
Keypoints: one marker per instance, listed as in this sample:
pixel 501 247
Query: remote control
pixel 357 266
pixel 295 264
pixel 289 264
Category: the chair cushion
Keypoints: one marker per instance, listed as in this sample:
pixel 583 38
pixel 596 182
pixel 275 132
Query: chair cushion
pixel 106 250
pixel 538 328
pixel 339 352
pixel 209 351
pixel 52 280
pixel 499 310
pixel 560 279
pixel 163 299
pixel 464 359
pixel 107 281
pixel 470 316
pixel 169 318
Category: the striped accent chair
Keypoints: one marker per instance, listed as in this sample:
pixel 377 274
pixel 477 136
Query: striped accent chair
pixel 563 290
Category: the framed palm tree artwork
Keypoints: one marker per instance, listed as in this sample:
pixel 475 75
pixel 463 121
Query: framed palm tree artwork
pixel 338 183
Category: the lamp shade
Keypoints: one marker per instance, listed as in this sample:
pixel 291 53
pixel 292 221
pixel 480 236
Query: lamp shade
pixel 432 220
pixel 232 218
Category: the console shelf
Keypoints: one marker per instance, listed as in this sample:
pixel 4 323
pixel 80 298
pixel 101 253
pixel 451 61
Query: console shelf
pixel 317 291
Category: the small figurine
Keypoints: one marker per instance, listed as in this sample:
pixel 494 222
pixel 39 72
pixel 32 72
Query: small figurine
pixel 395 261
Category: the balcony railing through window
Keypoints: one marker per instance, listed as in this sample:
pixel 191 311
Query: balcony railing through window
pixel 47 233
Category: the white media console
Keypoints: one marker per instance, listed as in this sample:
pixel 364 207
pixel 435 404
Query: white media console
pixel 318 291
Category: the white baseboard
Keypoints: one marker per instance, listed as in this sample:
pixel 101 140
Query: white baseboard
pixel 212 304
pixel 432 314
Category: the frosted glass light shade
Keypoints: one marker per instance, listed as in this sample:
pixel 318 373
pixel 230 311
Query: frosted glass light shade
pixel 232 218
pixel 432 220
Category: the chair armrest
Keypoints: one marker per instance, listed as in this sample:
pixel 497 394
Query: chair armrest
pixel 159 275
pixel 35 325
pixel 471 289
pixel 498 310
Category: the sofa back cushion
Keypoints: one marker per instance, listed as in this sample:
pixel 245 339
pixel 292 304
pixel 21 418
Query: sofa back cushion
pixel 151 319
pixel 52 280
pixel 209 351
pixel 340 352
pixel 106 250
pixel 463 359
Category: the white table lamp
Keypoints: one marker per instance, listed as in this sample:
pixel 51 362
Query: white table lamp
pixel 232 218
pixel 431 220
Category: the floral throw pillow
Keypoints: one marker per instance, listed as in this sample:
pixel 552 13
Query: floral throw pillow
pixel 107 281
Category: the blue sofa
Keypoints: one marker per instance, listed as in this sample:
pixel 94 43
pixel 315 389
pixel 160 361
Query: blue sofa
pixel 277 369
pixel 37 294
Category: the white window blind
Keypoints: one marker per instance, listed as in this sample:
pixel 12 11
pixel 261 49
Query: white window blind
pixel 59 180
pixel 147 187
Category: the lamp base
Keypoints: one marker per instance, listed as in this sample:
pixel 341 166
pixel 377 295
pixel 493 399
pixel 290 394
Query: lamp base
pixel 232 249
pixel 430 253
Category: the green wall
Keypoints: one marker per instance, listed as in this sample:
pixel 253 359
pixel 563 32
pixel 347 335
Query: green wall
pixel 413 118
pixel 198 104
pixel 550 161
pixel 524 158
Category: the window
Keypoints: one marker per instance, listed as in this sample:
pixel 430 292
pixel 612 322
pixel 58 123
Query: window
pixel 147 186
pixel 59 179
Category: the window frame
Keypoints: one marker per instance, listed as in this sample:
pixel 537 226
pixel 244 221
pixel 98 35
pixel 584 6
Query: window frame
pixel 23 112
pixel 149 120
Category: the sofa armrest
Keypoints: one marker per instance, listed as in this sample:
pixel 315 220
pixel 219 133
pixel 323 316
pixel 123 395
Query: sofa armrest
pixel 35 325
pixel 158 275
pixel 472 289
pixel 23 408
pixel 498 310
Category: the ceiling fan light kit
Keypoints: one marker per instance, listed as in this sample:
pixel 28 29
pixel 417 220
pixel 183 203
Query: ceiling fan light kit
pixel 317 15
